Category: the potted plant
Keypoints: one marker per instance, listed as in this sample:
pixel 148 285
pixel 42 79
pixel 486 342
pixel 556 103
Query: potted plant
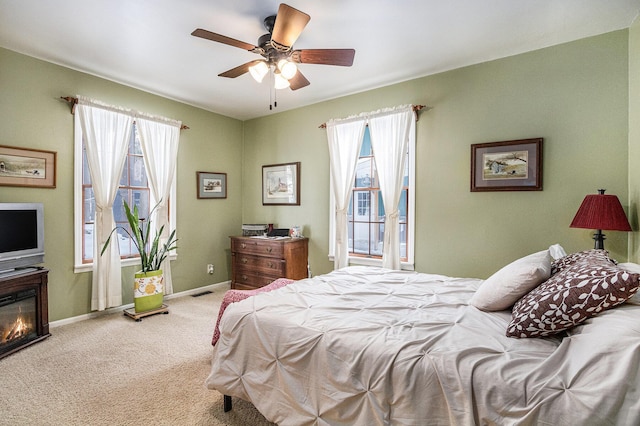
pixel 148 288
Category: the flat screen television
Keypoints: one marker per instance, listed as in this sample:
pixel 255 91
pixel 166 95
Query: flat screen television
pixel 21 235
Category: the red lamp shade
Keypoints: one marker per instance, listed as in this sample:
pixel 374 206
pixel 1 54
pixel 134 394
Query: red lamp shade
pixel 600 211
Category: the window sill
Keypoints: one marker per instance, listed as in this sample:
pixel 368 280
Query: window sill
pixel 88 267
pixel 368 261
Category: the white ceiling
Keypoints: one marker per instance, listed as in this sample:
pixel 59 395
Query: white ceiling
pixel 147 43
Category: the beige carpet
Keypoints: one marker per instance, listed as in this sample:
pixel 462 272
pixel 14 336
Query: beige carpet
pixel 112 370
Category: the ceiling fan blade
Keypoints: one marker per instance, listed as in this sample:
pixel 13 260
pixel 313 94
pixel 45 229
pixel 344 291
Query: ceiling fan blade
pixel 239 70
pixel 289 24
pixel 298 81
pixel 222 39
pixel 342 57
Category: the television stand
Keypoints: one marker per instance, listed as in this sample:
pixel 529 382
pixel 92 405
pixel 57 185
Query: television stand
pixel 23 309
pixel 19 271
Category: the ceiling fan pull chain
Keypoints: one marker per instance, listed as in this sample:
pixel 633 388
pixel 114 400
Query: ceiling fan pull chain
pixel 270 89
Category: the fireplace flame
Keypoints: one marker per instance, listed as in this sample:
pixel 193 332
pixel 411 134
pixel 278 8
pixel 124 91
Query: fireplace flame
pixel 20 328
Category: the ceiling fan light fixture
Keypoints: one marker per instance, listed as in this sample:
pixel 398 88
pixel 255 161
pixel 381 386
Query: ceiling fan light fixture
pixel 279 81
pixel 276 47
pixel 287 69
pixel 258 71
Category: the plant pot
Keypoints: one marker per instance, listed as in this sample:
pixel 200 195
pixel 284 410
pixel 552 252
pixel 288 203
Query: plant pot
pixel 148 290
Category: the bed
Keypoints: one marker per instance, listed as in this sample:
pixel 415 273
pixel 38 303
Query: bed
pixel 371 346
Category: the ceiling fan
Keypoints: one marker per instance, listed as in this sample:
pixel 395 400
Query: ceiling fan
pixel 276 48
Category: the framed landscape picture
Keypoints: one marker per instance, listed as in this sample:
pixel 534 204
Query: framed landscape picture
pixel 27 167
pixel 281 184
pixel 507 166
pixel 211 185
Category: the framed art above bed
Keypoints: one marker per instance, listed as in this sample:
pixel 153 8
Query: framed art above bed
pixel 507 166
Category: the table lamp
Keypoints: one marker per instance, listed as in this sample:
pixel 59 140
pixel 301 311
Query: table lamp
pixel 600 211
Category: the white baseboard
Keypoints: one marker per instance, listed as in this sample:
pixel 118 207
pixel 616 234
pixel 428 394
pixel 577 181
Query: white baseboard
pixel 225 285
pixel 197 290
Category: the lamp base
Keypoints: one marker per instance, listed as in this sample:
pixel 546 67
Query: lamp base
pixel 599 238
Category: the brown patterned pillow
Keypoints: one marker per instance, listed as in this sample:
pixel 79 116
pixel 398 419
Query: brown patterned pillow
pixel 590 284
pixel 587 255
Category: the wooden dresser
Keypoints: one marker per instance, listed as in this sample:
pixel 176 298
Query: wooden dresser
pixel 256 262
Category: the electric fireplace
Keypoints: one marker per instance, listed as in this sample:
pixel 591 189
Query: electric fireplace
pixel 23 309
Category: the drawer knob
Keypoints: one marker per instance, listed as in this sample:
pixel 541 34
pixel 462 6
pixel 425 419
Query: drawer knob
pixel 270 264
pixel 244 260
pixel 244 278
pixel 243 245
pixel 269 249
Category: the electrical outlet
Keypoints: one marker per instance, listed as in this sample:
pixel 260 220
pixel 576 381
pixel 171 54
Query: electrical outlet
pixel 210 268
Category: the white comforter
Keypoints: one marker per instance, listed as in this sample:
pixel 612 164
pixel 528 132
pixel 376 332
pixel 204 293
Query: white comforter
pixel 369 346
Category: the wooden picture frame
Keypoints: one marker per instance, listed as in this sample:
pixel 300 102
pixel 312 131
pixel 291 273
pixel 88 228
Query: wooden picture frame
pixel 27 167
pixel 281 184
pixel 507 166
pixel 211 185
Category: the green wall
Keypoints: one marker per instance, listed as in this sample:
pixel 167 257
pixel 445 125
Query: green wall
pixel 634 140
pixel 574 95
pixel 32 115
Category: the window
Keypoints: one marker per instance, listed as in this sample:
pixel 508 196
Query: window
pixel 134 189
pixel 364 201
pixel 366 221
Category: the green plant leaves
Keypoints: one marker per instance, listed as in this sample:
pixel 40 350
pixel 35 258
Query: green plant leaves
pixel 152 252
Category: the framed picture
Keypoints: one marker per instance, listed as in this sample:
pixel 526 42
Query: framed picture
pixel 507 166
pixel 27 167
pixel 211 185
pixel 281 184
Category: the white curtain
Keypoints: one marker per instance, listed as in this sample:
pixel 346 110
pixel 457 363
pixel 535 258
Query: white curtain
pixel 345 141
pixel 106 132
pixel 389 130
pixel 159 139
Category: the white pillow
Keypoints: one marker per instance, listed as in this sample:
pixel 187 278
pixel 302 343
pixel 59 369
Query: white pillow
pixel 634 268
pixel 504 288
pixel 556 251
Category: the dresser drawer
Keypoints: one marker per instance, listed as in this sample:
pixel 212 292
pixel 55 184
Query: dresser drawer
pixel 249 280
pixel 257 246
pixel 243 261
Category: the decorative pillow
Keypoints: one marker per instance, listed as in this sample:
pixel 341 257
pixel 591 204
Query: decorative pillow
pixel 583 288
pixel 502 289
pixel 635 269
pixel 568 260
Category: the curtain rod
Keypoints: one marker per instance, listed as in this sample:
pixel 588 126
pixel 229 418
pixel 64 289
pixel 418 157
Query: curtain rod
pixel 73 101
pixel 416 109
